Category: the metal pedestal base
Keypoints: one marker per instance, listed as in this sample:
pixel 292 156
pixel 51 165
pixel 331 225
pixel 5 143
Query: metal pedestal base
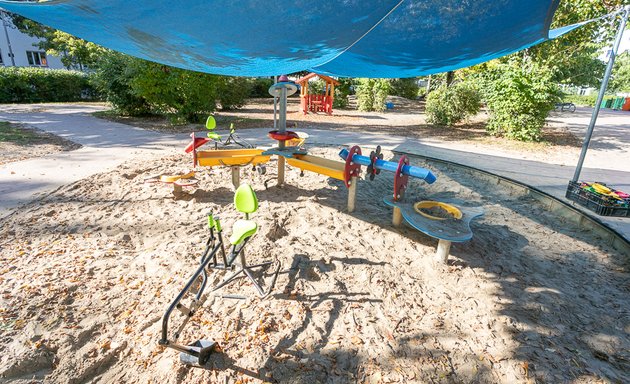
pixel 198 353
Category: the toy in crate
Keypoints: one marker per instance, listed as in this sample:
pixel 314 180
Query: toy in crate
pixel 600 198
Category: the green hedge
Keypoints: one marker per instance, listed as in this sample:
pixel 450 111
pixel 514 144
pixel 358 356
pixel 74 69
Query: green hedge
pixel 37 85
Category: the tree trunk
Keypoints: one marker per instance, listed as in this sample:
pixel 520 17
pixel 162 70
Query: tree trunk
pixel 450 76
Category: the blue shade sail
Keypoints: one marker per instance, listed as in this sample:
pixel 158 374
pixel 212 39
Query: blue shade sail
pixel 350 38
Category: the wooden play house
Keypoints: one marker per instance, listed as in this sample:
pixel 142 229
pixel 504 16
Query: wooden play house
pixel 317 103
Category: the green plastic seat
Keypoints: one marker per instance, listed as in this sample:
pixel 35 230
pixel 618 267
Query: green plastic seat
pixel 241 230
pixel 211 123
pixel 245 201
pixel 214 136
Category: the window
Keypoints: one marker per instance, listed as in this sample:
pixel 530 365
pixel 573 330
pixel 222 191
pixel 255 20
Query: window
pixel 36 59
pixel 1 61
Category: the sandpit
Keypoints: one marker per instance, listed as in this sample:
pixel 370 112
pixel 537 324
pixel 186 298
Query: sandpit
pixel 88 271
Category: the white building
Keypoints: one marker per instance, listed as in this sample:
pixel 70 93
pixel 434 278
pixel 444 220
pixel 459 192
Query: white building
pixel 18 49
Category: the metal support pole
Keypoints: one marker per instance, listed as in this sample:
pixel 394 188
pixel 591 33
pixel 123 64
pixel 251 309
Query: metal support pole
pixel 282 127
pixel 282 116
pixel 602 90
pixel 275 106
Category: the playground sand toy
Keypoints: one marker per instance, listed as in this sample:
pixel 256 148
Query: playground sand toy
pixel 87 272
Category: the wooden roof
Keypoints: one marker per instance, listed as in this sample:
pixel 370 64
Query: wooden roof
pixel 306 78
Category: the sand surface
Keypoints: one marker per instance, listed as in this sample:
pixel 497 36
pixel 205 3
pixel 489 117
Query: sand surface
pixel 87 272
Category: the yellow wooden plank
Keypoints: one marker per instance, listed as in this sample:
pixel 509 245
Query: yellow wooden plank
pixel 319 165
pixel 231 157
pixel 333 164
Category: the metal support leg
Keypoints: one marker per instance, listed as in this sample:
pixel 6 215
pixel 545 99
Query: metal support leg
pixel 247 272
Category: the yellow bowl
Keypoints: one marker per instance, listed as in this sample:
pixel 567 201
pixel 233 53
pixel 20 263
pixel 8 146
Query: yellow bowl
pixel 173 178
pixel 457 214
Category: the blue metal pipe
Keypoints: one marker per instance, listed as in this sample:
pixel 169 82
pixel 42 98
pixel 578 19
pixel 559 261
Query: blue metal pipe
pixel 384 165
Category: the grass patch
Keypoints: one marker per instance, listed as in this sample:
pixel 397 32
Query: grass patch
pixel 13 133
pixel 105 114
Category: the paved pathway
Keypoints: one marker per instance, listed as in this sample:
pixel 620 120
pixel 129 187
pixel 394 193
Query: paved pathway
pixel 610 144
pixel 105 146
pixel 108 144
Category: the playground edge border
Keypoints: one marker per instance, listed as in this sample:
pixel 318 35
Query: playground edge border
pixel 552 204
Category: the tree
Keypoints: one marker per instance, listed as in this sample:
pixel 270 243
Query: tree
pixel 620 79
pixel 113 78
pixel 407 88
pixel 519 95
pixel 74 52
pixel 573 57
pixel 137 87
pixel 371 94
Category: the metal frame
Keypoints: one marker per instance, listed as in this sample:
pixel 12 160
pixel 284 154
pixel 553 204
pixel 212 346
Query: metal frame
pixel 200 350
pixel 625 12
pixel 233 138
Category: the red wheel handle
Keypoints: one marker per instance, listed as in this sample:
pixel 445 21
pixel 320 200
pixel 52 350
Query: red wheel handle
pixel 352 168
pixel 400 180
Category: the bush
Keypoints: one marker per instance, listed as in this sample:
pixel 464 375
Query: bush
pixel 342 91
pixel 232 91
pixel 519 95
pixel 37 85
pixel 450 105
pixel 112 79
pixel 259 87
pixel 407 88
pixel 371 94
pixel 180 95
pixel 138 87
